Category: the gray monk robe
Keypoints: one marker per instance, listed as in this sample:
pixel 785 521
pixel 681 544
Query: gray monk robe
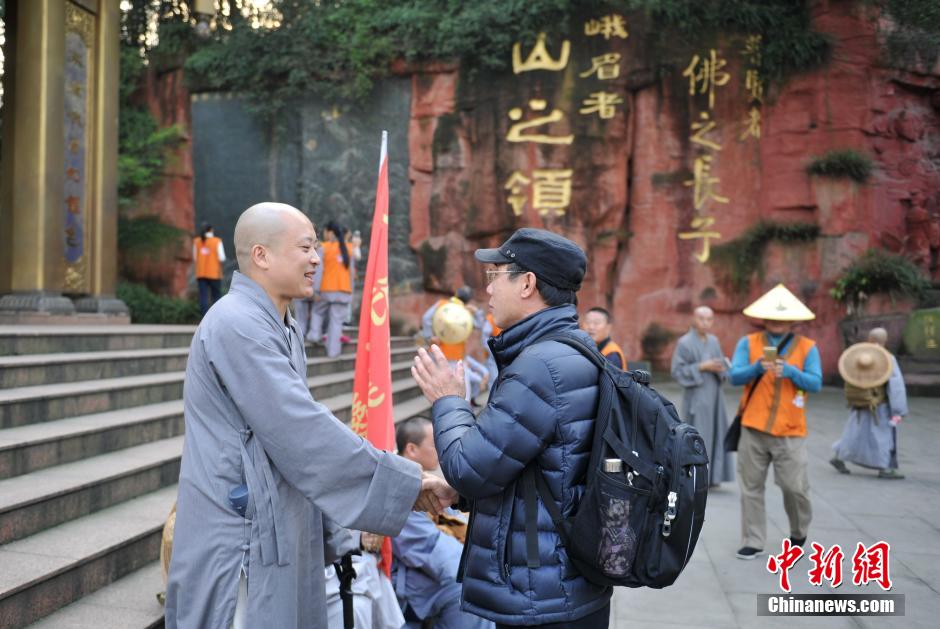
pixel 250 418
pixel 702 403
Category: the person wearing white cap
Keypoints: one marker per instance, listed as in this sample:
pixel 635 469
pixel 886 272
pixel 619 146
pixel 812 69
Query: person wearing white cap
pixel 778 368
pixel 877 398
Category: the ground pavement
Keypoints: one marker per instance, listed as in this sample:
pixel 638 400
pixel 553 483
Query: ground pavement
pixel 719 590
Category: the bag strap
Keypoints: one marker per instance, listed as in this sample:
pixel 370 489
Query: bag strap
pixel 743 406
pixel 533 484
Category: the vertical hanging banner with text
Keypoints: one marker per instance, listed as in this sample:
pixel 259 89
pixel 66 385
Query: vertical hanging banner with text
pixel 372 390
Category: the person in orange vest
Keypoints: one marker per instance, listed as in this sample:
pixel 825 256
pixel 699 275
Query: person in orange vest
pixel 331 304
pixel 475 373
pixel 208 255
pixel 598 324
pixel 778 368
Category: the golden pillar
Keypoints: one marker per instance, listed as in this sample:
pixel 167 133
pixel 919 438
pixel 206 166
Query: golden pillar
pixel 58 196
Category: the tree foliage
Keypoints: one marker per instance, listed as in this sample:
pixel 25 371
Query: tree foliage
pixel 339 49
pixel 878 271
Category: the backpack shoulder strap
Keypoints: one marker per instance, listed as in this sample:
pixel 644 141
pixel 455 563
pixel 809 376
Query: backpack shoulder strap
pixel 533 484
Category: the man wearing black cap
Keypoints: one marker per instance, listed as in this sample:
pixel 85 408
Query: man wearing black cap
pixel 540 413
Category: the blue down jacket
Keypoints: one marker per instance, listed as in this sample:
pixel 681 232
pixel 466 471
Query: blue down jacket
pixel 541 409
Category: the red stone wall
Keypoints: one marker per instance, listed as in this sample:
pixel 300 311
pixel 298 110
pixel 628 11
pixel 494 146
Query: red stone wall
pixel 629 204
pixel 171 199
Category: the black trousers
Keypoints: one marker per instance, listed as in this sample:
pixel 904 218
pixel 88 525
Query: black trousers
pixel 597 620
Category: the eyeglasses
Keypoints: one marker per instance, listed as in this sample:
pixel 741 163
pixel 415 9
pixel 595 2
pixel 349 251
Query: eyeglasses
pixel 491 275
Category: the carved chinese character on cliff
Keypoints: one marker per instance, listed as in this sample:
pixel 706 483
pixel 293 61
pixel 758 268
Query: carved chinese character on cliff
pixel 700 129
pixel 703 183
pixel 705 74
pixel 601 103
pixel 614 25
pixel 752 124
pixel 551 191
pixel 699 223
pixel 606 66
pixel 539 58
pixel 516 184
pixel 516 131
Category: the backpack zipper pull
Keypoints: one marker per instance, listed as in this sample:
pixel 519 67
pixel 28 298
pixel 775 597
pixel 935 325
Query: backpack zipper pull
pixel 630 478
pixel 670 514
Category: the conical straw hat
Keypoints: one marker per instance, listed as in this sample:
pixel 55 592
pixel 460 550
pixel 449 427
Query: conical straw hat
pixel 865 365
pixel 779 304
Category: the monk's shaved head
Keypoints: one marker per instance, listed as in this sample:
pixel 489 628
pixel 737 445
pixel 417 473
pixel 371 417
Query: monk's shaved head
pixel 262 224
pixel 878 335
pixel 702 319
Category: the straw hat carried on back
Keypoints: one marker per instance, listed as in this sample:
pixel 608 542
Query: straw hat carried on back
pixel 865 365
pixel 779 304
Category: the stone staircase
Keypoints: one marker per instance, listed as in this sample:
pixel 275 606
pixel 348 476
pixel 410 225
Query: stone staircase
pixel 91 425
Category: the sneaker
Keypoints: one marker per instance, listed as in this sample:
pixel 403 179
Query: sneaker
pixel 797 541
pixel 839 464
pixel 892 474
pixel 747 552
pixel 345 339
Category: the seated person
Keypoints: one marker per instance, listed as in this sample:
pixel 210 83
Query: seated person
pixel 373 597
pixel 425 560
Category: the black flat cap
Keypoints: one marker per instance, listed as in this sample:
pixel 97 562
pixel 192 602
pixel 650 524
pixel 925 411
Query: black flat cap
pixel 553 258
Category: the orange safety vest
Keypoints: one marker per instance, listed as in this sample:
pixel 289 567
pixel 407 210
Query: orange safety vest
pixel 452 351
pixel 336 277
pixel 496 330
pixel 777 407
pixel 207 258
pixel 612 348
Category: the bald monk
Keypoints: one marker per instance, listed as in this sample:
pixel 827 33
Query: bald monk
pixel 699 367
pixel 251 421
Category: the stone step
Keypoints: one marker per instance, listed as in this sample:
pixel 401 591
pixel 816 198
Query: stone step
pixel 38 369
pixel 40 500
pixel 30 447
pixel 128 603
pixel 28 405
pixel 56 339
pixel 37 446
pixel 396 342
pixel 49 570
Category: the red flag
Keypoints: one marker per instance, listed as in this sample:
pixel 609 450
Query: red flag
pixel 372 390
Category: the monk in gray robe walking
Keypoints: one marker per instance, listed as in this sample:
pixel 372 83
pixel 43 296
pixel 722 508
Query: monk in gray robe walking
pixel 257 560
pixel 699 367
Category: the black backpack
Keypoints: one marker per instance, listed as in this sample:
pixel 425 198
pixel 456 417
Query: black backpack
pixel 638 527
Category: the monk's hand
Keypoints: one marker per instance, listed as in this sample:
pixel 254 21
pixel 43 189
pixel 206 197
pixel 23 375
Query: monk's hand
pixel 436 495
pixel 371 542
pixel 434 375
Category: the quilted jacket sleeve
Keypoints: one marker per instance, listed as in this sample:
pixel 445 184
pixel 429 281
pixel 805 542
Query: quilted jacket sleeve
pixel 482 456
